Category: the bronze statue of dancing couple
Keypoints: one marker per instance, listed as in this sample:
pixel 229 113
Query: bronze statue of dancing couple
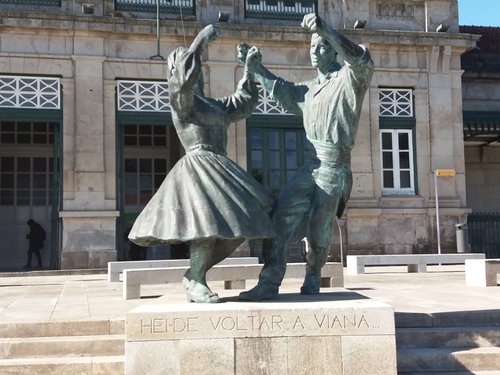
pixel 210 202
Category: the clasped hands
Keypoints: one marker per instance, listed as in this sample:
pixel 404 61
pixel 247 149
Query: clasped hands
pixel 251 56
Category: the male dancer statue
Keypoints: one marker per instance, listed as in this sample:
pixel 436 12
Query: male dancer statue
pixel 330 106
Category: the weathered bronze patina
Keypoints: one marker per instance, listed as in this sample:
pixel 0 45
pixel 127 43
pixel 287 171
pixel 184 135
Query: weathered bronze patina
pixel 206 199
pixel 330 106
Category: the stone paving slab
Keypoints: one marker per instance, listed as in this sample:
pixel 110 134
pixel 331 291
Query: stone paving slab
pixel 77 297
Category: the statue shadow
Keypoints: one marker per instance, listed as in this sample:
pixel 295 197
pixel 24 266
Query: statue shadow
pixel 297 297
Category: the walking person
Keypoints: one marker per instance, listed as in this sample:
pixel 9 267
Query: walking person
pixel 36 238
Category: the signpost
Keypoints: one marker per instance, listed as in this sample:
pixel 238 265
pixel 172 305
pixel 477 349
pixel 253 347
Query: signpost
pixel 440 173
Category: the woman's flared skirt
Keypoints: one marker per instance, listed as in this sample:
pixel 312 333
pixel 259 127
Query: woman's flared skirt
pixel 205 195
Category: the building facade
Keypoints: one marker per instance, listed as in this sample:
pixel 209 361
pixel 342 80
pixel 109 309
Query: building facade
pixel 86 135
pixel 481 95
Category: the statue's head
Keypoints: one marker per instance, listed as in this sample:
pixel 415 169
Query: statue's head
pixel 323 55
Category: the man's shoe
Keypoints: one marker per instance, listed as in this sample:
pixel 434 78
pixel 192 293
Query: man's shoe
pixel 260 292
pixel 27 267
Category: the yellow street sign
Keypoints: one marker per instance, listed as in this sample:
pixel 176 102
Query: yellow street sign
pixel 445 172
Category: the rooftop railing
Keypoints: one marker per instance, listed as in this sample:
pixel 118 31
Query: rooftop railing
pixel 166 6
pixel 55 3
pixel 280 9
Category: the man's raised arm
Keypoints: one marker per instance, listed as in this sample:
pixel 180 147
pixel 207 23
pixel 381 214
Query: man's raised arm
pixel 347 49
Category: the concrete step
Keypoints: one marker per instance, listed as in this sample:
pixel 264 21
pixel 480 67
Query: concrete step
pixel 62 328
pixel 46 272
pixel 448 359
pixel 451 373
pixel 91 365
pixel 62 346
pixel 448 337
pixel 486 318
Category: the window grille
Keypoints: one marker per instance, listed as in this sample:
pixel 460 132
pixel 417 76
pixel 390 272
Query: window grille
pixel 143 96
pixel 185 7
pixel 55 3
pixel 280 9
pixel 268 106
pixel 30 92
pixel 396 102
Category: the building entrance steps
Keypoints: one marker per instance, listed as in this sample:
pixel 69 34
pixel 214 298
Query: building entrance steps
pixel 433 307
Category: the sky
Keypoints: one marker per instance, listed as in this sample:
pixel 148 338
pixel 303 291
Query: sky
pixel 479 12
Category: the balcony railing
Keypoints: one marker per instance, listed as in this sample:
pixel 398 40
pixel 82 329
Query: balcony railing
pixel 54 3
pixel 186 7
pixel 280 9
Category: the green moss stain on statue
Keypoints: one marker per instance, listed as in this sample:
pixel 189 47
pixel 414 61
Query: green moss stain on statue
pixel 206 200
pixel 330 106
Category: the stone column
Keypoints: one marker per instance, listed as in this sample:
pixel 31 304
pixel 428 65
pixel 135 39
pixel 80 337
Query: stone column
pixel 88 218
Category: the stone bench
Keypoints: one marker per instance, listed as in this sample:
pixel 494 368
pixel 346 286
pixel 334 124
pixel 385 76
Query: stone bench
pixel 482 272
pixel 116 268
pixel 234 276
pixel 415 262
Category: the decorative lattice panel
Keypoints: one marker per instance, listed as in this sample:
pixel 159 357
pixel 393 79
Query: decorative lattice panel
pixel 30 92
pixel 268 106
pixel 143 96
pixel 396 102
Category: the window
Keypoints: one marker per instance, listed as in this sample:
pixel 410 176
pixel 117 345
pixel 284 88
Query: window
pixel 25 181
pixel 280 9
pixel 397 133
pixel 276 154
pixel 166 6
pixel 143 177
pixel 149 152
pixel 397 161
pixel 27 132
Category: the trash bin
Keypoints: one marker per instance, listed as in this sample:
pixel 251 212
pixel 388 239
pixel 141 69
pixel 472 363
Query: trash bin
pixel 462 238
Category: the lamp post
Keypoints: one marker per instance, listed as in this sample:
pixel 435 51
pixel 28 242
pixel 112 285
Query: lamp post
pixel 440 173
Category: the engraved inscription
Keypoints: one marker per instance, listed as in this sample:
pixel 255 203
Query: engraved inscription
pixel 173 325
pixel 257 324
pixel 342 321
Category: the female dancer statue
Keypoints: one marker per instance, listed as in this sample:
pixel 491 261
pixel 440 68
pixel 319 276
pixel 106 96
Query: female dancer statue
pixel 206 199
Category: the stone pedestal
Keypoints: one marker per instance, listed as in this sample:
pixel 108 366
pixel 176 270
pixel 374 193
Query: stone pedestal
pixel 297 336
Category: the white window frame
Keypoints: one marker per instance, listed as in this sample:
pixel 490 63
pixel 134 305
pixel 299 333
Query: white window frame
pixel 396 169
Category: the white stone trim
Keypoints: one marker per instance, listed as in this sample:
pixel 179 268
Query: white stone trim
pixel 30 92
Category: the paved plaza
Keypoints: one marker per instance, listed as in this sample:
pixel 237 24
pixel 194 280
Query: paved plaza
pixel 63 296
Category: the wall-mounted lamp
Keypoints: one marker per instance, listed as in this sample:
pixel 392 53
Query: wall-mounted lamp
pixel 359 24
pixel 442 28
pixel 88 8
pixel 223 16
